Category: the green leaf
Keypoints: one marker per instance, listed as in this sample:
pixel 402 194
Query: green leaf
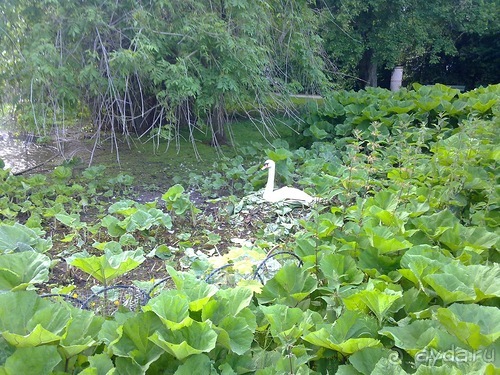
pixel 139 220
pixel 414 300
pixel 279 154
pixel 62 173
pixel 160 218
pixel 101 363
pixel 421 261
pixel 290 285
pixel 347 370
pixel 115 227
pixel 108 266
pixel 450 288
pixel 372 113
pixel 71 221
pixel 486 280
pixel 38 322
pixel 36 337
pixel 198 292
pixel 196 364
pixel 483 104
pixel 401 106
pixel 451 280
pixel 305 247
pixel 332 107
pixel 127 366
pixel 426 104
pixel 134 341
pixel 197 338
pixel 387 366
pixel 420 335
pixel 379 302
pixel 93 172
pixel 446 369
pixel 340 269
pixel 475 325
pixel 172 195
pixel 177 201
pixel 128 239
pixel 112 330
pixel 384 240
pixel 17 237
pixel 40 360
pixel 172 307
pixel 478 239
pixel 317 132
pixel 19 271
pixel 81 333
pixel 287 324
pixel 235 333
pixel 324 339
pixel 325 224
pixel 236 324
pixel 227 302
pixel 366 361
pixel 126 207
pixel 437 224
pixel 350 333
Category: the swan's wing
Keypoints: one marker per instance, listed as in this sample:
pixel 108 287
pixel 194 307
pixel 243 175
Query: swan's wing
pixel 292 194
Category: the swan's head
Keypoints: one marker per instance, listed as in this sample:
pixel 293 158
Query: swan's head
pixel 268 164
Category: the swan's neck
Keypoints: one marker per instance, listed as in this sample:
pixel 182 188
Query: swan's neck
pixel 270 181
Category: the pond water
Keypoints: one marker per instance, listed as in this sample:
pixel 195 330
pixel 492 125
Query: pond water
pixel 150 164
pixel 19 154
pixel 139 160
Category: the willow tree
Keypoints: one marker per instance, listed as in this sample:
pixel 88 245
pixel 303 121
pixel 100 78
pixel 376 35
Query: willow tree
pixel 159 64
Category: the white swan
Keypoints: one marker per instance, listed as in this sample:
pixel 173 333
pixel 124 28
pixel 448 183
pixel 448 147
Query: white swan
pixel 285 193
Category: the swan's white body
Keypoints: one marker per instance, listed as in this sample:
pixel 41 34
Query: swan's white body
pixel 285 193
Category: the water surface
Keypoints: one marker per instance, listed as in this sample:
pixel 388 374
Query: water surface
pixel 19 155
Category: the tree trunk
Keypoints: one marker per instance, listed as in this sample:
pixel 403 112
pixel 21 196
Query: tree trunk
pixel 368 69
pixel 372 74
pixel 218 122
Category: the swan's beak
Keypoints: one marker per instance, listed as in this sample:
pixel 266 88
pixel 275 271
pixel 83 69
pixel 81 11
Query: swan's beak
pixel 265 166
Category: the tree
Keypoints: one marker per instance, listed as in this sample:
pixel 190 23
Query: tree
pixel 137 66
pixel 473 65
pixel 363 37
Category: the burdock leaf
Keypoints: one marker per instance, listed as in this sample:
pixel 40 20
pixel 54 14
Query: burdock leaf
pixel 20 270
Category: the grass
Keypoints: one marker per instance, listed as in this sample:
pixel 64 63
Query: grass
pixel 165 164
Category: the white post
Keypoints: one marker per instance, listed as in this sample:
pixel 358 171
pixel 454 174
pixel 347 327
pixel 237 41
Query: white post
pixel 397 78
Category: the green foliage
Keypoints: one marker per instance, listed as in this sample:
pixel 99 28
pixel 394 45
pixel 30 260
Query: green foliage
pixel 178 202
pixel 17 237
pixel 19 271
pixel 400 262
pixel 376 114
pixel 175 200
pixel 189 62
pixel 44 331
pixel 349 334
pixel 363 35
pixel 289 286
pixel 136 217
pixel 108 266
pixel 230 176
pixel 62 173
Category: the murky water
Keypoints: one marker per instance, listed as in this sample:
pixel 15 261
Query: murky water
pixel 19 155
pixel 147 162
